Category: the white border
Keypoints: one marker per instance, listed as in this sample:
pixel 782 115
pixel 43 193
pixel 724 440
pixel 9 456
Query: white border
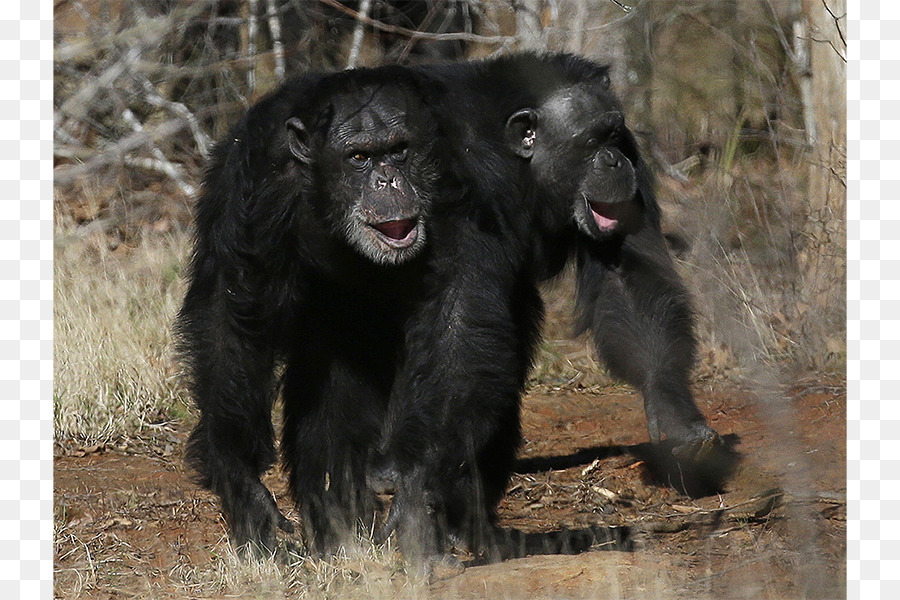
pixel 26 368
pixel 873 426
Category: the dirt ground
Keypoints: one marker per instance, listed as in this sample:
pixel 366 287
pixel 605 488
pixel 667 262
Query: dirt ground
pixel 131 524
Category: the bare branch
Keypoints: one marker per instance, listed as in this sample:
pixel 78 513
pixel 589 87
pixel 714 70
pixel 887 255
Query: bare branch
pixel 576 43
pixel 830 43
pixel 161 163
pixel 803 66
pixel 72 151
pixel 460 36
pixel 622 6
pixel 165 167
pixel 77 105
pixel 115 153
pixel 429 19
pixel 153 97
pixel 145 33
pixel 61 133
pixel 277 47
pixel 358 33
pixel 251 45
pixel 837 24
pixel 528 25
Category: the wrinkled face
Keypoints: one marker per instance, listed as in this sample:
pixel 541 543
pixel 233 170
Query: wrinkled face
pixel 581 153
pixel 375 167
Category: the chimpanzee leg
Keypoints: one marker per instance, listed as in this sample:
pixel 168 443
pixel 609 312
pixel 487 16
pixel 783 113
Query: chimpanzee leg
pixel 453 427
pixel 332 420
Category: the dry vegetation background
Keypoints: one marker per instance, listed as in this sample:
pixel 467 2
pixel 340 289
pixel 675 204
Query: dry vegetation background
pixel 738 104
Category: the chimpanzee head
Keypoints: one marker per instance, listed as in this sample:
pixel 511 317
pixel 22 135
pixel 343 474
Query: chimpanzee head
pixel 579 149
pixel 369 152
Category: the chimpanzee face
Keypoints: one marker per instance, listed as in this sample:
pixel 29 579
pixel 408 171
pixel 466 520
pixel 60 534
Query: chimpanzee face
pixel 580 149
pixel 374 167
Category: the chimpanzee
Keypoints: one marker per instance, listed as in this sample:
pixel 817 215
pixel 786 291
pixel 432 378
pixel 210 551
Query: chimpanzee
pixel 310 245
pixel 543 145
pixel 629 293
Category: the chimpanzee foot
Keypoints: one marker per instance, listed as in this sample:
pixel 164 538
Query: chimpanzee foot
pixel 700 464
pixel 416 530
pixel 703 444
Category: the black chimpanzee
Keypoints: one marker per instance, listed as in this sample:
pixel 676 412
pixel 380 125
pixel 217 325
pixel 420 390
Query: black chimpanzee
pixel 629 293
pixel 553 172
pixel 309 248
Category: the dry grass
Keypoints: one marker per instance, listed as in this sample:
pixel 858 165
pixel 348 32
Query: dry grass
pixel 365 570
pixel 114 370
pixel 746 219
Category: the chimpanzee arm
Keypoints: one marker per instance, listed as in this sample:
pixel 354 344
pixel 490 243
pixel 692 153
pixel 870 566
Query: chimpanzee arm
pixel 224 334
pixel 453 427
pixel 631 297
pixel 231 371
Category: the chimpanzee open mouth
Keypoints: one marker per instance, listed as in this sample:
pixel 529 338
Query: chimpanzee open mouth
pixel 401 233
pixel 607 214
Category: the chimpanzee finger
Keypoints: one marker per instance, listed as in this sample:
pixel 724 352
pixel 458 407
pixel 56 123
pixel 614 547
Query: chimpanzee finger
pixel 391 523
pixel 284 524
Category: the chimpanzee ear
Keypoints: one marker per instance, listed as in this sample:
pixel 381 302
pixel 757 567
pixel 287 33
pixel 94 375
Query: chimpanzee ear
pixel 604 78
pixel 298 140
pixel 520 132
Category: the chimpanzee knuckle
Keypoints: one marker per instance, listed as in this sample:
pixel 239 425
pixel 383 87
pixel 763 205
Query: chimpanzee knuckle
pixel 383 477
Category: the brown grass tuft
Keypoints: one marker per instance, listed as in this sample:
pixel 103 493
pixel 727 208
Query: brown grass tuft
pixel 115 373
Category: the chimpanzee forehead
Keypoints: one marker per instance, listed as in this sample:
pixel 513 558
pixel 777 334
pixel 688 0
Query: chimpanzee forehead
pixel 576 108
pixel 370 112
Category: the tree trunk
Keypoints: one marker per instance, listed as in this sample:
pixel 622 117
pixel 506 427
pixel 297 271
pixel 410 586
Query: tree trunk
pixel 823 259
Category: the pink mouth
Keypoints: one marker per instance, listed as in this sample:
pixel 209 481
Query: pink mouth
pixel 606 215
pixel 399 233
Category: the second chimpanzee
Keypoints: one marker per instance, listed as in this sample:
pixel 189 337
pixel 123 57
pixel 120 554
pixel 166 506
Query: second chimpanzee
pixel 629 293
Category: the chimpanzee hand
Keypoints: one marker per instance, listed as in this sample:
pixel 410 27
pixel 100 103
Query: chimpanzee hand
pixel 414 517
pixel 252 516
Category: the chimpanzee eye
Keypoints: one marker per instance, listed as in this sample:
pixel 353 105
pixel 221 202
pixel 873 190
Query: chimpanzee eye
pixel 592 143
pixel 358 158
pixel 399 153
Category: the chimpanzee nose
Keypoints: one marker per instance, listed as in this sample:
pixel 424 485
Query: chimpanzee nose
pixel 385 177
pixel 383 180
pixel 607 158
